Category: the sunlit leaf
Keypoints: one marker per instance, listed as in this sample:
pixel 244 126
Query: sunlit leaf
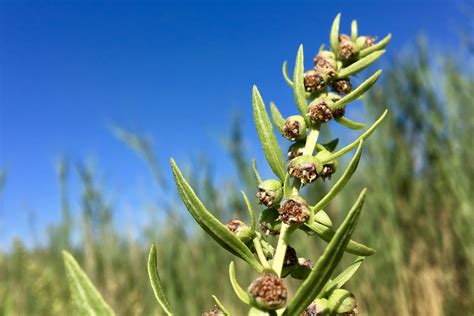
pixel 156 281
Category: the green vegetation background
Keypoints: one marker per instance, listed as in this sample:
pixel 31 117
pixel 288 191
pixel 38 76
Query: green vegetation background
pixel 418 167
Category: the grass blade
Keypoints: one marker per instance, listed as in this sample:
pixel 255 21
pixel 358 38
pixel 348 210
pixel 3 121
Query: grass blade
pixel 156 282
pixel 209 223
pixel 85 296
pixel 270 145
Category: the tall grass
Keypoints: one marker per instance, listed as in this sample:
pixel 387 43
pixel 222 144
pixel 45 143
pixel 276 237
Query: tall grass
pixel 419 216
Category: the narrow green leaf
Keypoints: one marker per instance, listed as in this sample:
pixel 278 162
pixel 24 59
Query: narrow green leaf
pixel 360 90
pixel 258 178
pixel 326 234
pixel 331 145
pixel 298 79
pixel 277 118
pixel 341 182
pixel 326 264
pixel 156 282
pixel 239 291
pixel 209 223
pixel 323 218
pixel 251 212
pixel 359 65
pixel 287 189
pixel 354 30
pixel 334 35
pixel 378 46
pixel 85 296
pixel 363 137
pixel 343 277
pixel 220 305
pixel 270 145
pixel 344 121
pixel 284 70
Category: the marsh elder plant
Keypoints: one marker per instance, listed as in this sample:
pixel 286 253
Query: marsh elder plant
pixel 321 95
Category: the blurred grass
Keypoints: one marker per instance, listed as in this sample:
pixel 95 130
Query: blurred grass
pixel 419 168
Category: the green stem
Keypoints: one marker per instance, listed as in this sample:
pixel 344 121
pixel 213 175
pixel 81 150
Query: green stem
pixel 311 141
pixel 280 252
pixel 260 254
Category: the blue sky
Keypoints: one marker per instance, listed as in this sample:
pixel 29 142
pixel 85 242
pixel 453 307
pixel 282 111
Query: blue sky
pixel 174 71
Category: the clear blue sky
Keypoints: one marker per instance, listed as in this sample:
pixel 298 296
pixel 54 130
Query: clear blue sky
pixel 171 70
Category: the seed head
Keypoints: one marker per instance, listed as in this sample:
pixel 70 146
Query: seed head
pixel 294 128
pixel 305 168
pixel 319 112
pixel 342 86
pixel 364 42
pixel 320 307
pixel 313 81
pixel 347 48
pixel 270 192
pixel 329 167
pixel 295 150
pixel 294 210
pixel 240 230
pixel 325 63
pixel 213 312
pixel 268 292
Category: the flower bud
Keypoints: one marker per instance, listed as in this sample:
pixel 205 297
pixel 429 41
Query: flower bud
pixel 325 63
pixel 240 230
pixel 342 86
pixel 313 81
pixel 342 301
pixel 364 42
pixel 347 48
pixel 294 128
pixel 305 168
pixel 270 192
pixel 268 292
pixel 320 307
pixel 329 167
pixel 295 150
pixel 270 222
pixel 213 312
pixel 290 262
pixel 294 210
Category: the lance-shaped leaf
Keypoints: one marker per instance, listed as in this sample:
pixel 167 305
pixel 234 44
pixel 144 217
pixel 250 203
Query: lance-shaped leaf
pixel 284 70
pixel 277 118
pixel 344 121
pixel 341 182
pixel 360 90
pixel 258 178
pixel 378 46
pixel 334 35
pixel 239 291
pixel 156 282
pixel 270 146
pixel 327 263
pixel 326 234
pixel 323 218
pixel 209 223
pixel 299 90
pixel 342 278
pixel 220 305
pixel 359 65
pixel 354 30
pixel 331 145
pixel 251 212
pixel 85 296
pixel 362 137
